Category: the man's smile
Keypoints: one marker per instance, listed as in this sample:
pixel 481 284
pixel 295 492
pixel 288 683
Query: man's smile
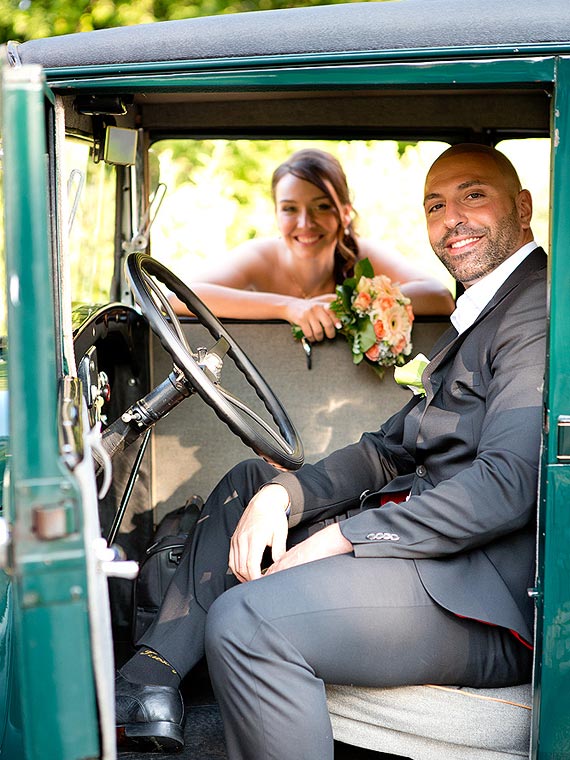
pixel 458 244
pixel 461 240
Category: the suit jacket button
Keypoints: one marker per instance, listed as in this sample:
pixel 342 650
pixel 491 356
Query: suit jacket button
pixel 421 471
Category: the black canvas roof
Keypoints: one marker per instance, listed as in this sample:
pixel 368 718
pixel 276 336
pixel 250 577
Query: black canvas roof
pixel 359 27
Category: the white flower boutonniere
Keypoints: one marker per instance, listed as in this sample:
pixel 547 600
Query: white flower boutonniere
pixel 411 374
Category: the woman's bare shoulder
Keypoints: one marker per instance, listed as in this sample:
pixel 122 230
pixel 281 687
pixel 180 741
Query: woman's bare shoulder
pixel 251 265
pixel 256 248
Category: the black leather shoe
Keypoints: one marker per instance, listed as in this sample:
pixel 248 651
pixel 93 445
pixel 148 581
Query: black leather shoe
pixel 149 717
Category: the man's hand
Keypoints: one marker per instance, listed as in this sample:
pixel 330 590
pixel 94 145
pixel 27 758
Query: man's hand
pixel 262 524
pixel 325 543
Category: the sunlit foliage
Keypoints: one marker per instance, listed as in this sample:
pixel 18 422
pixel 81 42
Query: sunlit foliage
pixel 218 194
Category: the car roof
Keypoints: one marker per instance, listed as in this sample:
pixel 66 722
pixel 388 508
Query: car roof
pixel 391 25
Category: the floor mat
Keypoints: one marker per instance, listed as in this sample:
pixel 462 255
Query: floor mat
pixel 203 736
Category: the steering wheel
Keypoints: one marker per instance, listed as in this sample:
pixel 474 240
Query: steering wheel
pixel 202 368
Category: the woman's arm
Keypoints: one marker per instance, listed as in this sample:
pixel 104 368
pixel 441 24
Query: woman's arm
pixel 428 295
pixel 312 314
pixel 243 287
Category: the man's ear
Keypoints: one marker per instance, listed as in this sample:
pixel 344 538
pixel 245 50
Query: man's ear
pixel 523 203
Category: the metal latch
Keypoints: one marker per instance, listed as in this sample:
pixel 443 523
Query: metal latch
pixel 563 454
pixel 55 521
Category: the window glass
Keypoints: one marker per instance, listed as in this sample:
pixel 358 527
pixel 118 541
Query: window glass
pixel 91 222
pixel 218 195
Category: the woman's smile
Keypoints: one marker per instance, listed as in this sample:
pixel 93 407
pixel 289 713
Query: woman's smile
pixel 308 239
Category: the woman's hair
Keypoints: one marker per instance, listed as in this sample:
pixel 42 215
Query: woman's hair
pixel 320 168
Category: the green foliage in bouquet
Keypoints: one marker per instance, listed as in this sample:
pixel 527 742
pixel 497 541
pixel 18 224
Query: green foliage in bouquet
pixel 376 318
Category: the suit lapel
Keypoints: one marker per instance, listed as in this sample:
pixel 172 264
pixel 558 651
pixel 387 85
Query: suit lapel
pixel 534 262
pixel 450 341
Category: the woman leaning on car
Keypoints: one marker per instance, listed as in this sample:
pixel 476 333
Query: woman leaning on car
pixel 293 277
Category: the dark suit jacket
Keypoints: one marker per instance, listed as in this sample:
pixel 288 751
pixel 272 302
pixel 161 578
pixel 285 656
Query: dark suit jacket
pixel 468 452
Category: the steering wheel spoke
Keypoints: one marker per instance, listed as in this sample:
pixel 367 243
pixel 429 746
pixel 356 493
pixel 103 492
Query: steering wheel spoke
pixel 243 407
pixel 202 368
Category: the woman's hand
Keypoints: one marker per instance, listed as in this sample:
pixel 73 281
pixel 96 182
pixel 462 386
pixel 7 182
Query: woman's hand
pixel 313 316
pixel 263 523
pixel 325 543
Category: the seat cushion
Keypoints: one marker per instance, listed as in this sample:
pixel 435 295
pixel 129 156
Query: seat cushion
pixel 434 722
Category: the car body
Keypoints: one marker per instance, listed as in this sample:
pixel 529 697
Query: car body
pixel 408 71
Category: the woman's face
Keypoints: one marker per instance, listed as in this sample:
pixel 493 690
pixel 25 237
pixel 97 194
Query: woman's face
pixel 308 221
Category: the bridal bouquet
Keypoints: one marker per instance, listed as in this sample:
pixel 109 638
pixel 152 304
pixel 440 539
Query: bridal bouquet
pixel 376 318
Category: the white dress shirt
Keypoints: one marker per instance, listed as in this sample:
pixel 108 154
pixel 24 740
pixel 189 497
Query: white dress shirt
pixel 473 301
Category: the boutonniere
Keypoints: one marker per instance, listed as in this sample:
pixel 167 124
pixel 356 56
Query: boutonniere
pixel 410 374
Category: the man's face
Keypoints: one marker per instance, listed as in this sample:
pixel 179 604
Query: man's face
pixel 476 216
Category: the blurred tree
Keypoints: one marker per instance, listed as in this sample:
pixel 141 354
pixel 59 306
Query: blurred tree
pixel 29 19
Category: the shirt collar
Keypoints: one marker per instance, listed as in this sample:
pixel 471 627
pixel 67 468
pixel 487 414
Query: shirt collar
pixel 473 301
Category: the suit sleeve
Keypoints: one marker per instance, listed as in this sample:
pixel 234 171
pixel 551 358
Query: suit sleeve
pixel 496 493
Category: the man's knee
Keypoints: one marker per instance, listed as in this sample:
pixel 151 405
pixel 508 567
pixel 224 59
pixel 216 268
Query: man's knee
pixel 237 487
pixel 228 622
pixel 251 474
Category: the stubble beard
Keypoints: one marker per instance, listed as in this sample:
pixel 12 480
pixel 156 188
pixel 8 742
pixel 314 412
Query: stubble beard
pixel 468 267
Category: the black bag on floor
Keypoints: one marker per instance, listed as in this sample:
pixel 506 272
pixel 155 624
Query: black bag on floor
pixel 161 560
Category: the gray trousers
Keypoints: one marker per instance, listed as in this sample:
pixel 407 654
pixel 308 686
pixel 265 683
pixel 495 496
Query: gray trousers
pixel 271 644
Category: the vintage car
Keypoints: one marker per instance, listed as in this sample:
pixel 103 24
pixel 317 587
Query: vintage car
pixel 103 425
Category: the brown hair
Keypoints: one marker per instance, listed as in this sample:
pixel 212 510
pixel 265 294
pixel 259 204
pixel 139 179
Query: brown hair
pixel 320 168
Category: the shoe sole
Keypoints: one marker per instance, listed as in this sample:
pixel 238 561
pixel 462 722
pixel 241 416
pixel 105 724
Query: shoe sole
pixel 161 735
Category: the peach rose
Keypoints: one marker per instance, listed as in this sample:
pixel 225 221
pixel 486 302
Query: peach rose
pixel 373 353
pixel 399 347
pixel 362 302
pixel 379 329
pixel 383 303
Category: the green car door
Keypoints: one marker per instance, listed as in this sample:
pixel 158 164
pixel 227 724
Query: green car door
pixel 551 734
pixel 45 652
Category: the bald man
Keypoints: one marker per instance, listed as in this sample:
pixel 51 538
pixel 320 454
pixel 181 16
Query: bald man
pixel 423 577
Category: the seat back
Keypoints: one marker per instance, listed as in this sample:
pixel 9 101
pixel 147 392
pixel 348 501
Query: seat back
pixel 331 405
